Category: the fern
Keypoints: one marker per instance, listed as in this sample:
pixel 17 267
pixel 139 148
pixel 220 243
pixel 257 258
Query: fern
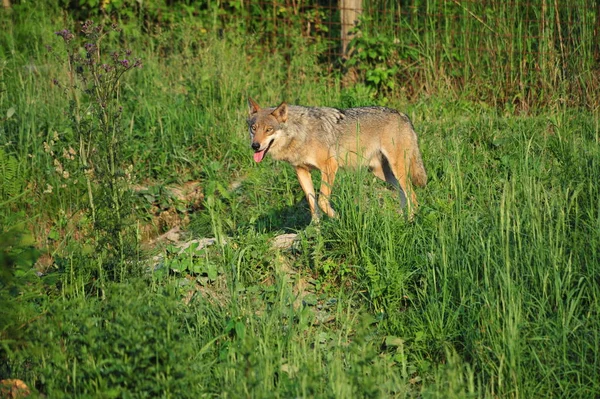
pixel 11 182
pixel 374 277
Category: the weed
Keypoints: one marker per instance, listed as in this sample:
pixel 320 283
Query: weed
pixel 93 86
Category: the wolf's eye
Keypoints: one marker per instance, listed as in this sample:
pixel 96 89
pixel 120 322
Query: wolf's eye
pixel 253 128
pixel 269 130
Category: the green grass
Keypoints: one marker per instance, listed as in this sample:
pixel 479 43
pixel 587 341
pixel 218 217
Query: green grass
pixel 491 291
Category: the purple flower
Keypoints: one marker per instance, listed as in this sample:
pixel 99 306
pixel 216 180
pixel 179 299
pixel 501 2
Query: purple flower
pixel 107 68
pixel 85 26
pixel 125 63
pixel 89 47
pixel 65 34
pixel 138 63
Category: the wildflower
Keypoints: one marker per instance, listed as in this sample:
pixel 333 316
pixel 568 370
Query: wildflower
pixel 89 47
pixel 65 34
pixel 55 136
pixel 107 68
pixel 48 189
pixel 68 155
pixel 85 26
pixel 129 173
pixel 138 63
pixel 125 63
pixel 58 167
pixel 46 147
pixel 65 174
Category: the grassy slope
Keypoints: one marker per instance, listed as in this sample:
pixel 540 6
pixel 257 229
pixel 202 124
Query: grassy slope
pixel 491 291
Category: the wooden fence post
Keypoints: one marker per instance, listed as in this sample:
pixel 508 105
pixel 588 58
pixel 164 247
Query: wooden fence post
pixel 350 10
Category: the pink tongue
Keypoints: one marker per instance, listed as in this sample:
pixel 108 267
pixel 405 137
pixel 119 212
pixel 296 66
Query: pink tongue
pixel 258 156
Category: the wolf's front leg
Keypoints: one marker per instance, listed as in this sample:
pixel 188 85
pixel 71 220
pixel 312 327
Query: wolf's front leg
pixel 307 185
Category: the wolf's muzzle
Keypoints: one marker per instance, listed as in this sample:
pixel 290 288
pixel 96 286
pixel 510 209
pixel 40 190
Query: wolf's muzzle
pixel 255 146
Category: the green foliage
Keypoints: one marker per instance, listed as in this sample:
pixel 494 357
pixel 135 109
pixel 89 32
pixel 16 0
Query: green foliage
pixel 193 262
pixel 12 180
pixel 130 344
pixel 375 58
pixel 20 293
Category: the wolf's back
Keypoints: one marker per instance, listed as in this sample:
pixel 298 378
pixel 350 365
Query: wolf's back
pixel 332 125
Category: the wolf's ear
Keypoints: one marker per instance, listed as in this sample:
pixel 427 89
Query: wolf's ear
pixel 281 112
pixel 253 107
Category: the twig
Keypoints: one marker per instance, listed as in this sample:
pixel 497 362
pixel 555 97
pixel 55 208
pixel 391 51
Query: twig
pixel 475 16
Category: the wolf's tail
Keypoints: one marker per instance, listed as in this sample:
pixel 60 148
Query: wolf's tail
pixel 417 170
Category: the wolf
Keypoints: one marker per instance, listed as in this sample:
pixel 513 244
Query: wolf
pixel 326 139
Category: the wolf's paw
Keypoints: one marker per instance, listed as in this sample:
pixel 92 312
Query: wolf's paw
pixel 326 207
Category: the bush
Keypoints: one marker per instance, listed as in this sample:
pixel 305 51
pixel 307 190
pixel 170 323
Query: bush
pixel 133 344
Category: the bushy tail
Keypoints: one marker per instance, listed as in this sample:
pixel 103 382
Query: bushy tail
pixel 417 170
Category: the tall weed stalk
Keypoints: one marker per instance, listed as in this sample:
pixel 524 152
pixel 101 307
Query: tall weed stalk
pixel 93 87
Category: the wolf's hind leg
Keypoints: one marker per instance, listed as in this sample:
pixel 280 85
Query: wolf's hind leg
pixel 402 174
pixel 395 171
pixel 380 166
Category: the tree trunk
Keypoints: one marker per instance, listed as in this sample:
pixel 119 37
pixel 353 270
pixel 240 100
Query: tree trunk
pixel 350 11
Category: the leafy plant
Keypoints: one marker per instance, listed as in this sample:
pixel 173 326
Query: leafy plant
pixel 19 286
pixel 375 58
pixel 12 180
pixel 192 262
pixel 93 86
pixel 133 343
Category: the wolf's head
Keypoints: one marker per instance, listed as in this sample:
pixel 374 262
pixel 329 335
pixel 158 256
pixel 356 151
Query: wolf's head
pixel 265 127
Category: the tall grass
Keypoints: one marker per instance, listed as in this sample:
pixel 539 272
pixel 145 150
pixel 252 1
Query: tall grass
pixel 490 291
pixel 511 54
pixel 499 266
